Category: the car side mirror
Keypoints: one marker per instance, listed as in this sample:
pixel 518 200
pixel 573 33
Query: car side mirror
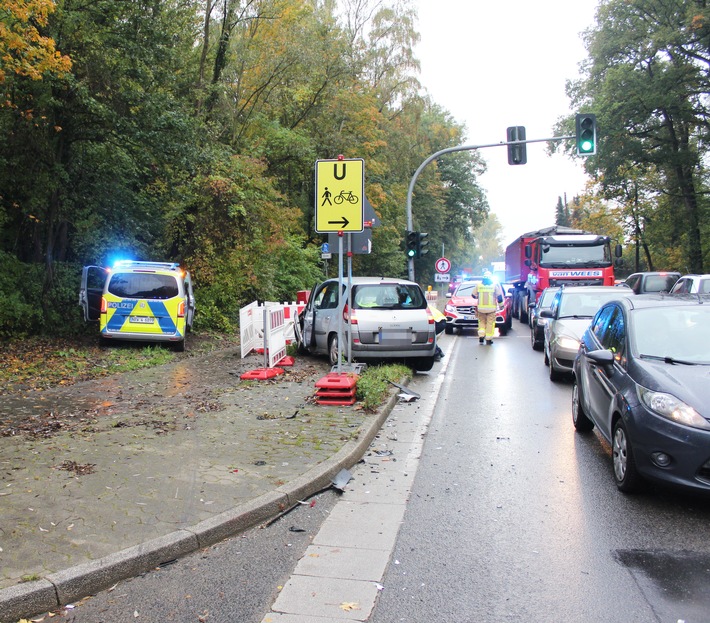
pixel 603 358
pixel 546 313
pixel 448 295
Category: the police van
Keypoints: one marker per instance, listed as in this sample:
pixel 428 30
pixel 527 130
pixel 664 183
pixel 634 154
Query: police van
pixel 145 301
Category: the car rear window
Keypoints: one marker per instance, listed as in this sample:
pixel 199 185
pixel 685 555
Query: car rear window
pixel 659 283
pixel 143 286
pixel 388 296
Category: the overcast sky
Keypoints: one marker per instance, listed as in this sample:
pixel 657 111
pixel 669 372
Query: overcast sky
pixel 498 64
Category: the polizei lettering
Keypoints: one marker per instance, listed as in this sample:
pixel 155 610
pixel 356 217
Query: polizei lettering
pixel 576 273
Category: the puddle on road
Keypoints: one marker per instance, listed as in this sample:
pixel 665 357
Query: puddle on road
pixel 676 584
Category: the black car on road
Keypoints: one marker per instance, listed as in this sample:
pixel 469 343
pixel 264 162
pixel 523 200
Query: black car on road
pixel 641 376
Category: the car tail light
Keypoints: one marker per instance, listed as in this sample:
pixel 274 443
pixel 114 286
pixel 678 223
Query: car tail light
pixel 181 309
pixel 104 305
pixel 430 316
pixel 349 315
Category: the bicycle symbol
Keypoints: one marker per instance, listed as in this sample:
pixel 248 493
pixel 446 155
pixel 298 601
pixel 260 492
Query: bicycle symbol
pixel 345 196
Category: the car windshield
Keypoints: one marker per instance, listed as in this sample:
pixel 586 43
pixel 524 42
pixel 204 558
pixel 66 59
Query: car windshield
pixel 388 296
pixel 672 333
pixel 546 297
pixel 466 289
pixel 583 304
pixel 143 286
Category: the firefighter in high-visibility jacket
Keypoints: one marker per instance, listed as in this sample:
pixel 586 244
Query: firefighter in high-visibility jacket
pixel 488 295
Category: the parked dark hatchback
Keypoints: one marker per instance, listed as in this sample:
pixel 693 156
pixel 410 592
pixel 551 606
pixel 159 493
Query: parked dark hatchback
pixel 647 282
pixel 642 377
pixel 536 322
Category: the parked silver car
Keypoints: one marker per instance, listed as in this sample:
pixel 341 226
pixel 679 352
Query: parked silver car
pixel 389 319
pixel 568 317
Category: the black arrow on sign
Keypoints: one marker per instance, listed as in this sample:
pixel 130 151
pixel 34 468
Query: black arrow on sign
pixel 343 221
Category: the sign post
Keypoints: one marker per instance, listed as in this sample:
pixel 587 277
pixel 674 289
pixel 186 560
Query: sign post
pixel 339 202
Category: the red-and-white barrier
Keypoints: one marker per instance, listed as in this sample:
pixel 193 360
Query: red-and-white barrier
pixel 281 319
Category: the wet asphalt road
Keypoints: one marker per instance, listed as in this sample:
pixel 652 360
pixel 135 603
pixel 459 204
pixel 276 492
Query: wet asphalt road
pixel 515 517
pixel 512 517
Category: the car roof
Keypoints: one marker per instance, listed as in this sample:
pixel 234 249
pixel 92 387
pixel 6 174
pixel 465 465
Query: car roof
pixel 660 299
pixel 654 272
pixel 617 289
pixel 358 281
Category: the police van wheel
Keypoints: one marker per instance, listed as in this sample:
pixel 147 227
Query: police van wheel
pixel 179 347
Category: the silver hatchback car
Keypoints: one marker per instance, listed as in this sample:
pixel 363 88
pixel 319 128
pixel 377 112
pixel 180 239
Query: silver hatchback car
pixel 569 315
pixel 388 319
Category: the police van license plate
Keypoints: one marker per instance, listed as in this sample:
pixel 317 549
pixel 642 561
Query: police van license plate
pixel 141 319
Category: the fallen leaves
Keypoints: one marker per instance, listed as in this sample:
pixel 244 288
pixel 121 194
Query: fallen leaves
pixel 349 605
pixel 78 469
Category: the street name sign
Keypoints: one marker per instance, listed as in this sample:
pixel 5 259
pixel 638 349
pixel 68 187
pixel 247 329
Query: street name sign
pixel 340 195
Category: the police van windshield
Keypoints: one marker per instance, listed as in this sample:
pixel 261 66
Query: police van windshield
pixel 143 286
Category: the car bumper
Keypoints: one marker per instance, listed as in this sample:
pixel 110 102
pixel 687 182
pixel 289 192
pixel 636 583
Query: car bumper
pixel 563 358
pixel 687 447
pixel 469 321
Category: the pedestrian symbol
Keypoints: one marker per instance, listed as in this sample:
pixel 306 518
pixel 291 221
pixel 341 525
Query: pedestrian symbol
pixel 326 197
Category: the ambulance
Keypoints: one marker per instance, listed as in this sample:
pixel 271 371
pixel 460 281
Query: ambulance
pixel 139 301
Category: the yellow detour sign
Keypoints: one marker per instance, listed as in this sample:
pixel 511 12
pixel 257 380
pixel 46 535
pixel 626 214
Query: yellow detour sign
pixel 340 195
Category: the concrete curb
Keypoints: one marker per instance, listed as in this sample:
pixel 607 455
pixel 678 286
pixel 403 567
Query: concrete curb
pixel 63 587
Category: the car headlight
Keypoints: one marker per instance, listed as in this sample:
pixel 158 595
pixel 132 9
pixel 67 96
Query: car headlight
pixel 450 308
pixel 670 407
pixel 568 343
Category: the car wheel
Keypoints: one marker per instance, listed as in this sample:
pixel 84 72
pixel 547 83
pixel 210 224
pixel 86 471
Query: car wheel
pixel 333 350
pixel 581 422
pixel 448 330
pixel 626 475
pixel 502 329
pixel 534 341
pixel 547 358
pixel 554 374
pixel 422 364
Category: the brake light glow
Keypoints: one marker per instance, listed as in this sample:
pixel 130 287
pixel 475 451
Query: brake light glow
pixel 181 309
pixel 104 305
pixel 349 315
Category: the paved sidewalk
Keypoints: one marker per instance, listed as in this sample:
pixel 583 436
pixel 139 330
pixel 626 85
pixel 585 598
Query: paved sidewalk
pixel 106 479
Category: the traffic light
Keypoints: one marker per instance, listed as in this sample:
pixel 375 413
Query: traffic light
pixel 517 154
pixel 586 134
pixel 411 238
pixel 422 244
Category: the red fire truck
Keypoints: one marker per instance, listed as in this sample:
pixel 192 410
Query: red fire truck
pixel 556 256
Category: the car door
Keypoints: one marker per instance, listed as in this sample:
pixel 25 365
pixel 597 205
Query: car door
pixel 605 381
pixel 308 316
pixel 325 315
pixel 190 314
pixel 93 279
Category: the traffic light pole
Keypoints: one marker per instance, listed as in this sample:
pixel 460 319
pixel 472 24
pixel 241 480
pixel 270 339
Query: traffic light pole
pixel 410 191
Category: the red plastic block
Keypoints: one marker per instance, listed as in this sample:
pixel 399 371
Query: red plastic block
pixel 286 361
pixel 262 374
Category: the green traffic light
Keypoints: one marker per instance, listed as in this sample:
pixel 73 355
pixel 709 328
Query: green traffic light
pixel 586 134
pixel 411 253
